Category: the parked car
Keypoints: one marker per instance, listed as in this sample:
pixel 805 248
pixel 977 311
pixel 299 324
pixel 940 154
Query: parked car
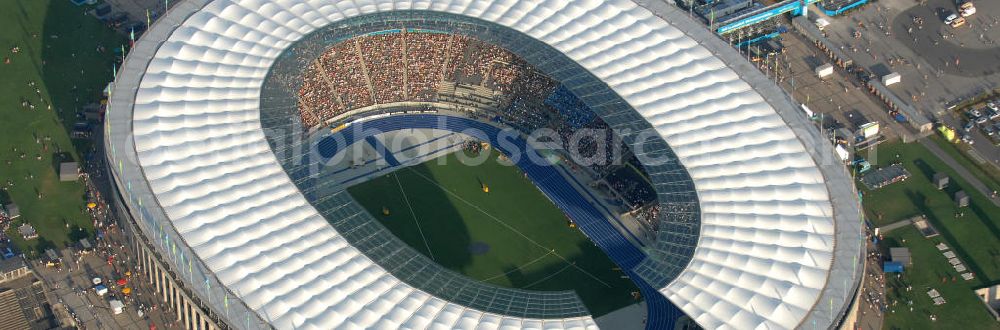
pixel 950 19
pixel 968 139
pixel 993 105
pixel 969 126
pixel 102 11
pixel 981 120
pixel 995 139
pixel 988 130
pixel 975 113
pixel 967 9
pixel 992 114
pixel 958 22
pixel 137 27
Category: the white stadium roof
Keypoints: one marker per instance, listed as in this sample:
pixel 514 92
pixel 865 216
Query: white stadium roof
pixel 779 223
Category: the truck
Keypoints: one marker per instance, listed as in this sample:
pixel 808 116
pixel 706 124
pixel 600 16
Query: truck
pixel 898 117
pixel 967 9
pixel 117 307
pixel 822 23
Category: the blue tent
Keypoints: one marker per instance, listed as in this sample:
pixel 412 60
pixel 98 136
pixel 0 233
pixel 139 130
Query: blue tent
pixel 892 267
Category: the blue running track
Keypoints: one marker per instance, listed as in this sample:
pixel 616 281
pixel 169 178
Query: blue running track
pixel 661 313
pixel 379 148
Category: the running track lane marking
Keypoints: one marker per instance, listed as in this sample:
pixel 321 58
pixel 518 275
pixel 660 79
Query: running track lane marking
pixel 511 228
pixel 414 214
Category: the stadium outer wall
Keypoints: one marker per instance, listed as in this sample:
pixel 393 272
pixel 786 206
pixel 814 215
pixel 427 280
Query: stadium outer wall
pixel 849 252
pixel 148 224
pixel 151 227
pixel 170 290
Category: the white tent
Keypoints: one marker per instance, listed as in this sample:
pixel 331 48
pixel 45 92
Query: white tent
pixel 117 306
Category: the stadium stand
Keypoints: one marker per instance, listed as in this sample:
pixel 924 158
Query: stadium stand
pixel 247 244
pixel 398 66
pixel 587 217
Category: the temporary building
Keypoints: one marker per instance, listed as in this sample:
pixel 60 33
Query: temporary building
pixel 941 180
pixel 892 267
pixel 100 289
pixel 117 306
pixel 961 198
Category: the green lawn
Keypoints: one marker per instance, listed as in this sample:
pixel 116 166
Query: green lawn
pixel 975 238
pixel 987 173
pixel 58 52
pixel 963 309
pixel 529 243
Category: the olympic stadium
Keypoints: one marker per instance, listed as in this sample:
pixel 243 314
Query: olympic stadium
pixel 256 147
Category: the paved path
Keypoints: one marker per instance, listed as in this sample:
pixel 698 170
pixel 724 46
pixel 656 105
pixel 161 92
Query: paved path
pixel 962 171
pixel 895 225
pixel 872 294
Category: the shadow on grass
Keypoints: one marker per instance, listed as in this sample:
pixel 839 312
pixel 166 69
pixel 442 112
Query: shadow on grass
pixel 985 219
pixel 925 169
pixel 58 158
pixel 594 278
pixel 76 233
pixel 44 244
pixel 77 60
pixel 437 232
pixel 601 287
pixel 919 200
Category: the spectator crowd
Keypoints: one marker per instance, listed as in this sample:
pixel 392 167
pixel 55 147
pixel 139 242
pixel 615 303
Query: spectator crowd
pixel 414 66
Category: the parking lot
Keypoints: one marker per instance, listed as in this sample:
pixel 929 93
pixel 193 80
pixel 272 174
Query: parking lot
pixel 940 65
pixel 72 286
pixel 982 123
pixel 843 104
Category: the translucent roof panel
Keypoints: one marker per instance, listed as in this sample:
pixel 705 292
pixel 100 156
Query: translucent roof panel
pixel 771 221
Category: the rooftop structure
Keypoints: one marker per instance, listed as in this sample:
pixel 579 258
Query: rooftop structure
pixel 27 231
pixel 760 225
pixel 69 171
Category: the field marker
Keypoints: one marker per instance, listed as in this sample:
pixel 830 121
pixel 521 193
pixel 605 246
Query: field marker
pixel 547 277
pixel 508 227
pixel 519 267
pixel 414 214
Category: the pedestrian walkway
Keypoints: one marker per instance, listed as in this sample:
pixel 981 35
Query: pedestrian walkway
pixel 962 171
pixel 895 225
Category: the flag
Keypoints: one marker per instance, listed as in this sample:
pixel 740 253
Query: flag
pixel 131 35
pixel 711 19
pixel 149 21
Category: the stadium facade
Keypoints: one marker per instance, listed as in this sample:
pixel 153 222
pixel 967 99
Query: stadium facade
pixel 761 226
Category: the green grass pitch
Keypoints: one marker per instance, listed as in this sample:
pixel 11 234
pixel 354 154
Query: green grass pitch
pixel 58 51
pixel 512 236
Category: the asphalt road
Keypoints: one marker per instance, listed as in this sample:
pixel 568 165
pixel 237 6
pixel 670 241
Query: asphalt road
pixel 962 171
pixel 964 51
pixel 884 35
